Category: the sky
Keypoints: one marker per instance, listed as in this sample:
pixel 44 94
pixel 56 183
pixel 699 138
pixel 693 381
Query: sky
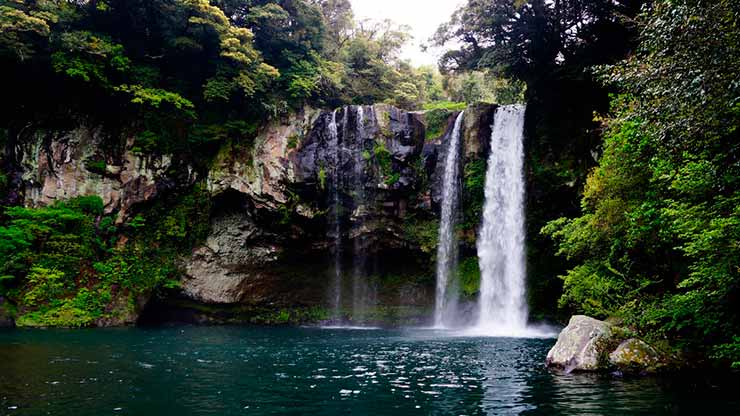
pixel 423 16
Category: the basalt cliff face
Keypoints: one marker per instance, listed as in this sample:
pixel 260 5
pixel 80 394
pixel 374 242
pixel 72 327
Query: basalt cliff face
pixel 356 189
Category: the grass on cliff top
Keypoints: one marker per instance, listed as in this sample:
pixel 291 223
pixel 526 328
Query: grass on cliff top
pixel 445 105
pixel 437 115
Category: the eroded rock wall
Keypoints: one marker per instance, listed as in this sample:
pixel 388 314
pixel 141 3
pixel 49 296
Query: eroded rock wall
pixel 57 166
pixel 271 241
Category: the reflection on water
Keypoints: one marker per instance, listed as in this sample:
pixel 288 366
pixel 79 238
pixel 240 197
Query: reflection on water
pixel 506 383
pixel 230 371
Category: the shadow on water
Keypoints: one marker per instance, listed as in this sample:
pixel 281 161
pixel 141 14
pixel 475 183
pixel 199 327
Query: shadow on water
pixel 296 371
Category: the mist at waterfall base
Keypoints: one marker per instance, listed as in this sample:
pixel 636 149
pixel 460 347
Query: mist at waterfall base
pixel 501 309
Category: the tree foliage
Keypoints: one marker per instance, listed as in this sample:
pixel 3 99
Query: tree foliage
pixel 172 71
pixel 69 264
pixel 527 39
pixel 658 239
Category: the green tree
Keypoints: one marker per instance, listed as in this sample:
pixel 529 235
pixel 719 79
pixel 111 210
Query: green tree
pixel 657 241
pixel 23 31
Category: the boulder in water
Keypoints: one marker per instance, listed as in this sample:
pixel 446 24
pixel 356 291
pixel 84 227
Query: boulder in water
pixel 588 344
pixel 634 355
pixel 580 345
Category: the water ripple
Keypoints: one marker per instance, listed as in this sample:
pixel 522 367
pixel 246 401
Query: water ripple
pixel 229 371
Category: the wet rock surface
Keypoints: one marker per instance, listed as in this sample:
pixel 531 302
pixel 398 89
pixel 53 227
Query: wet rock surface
pixel 580 344
pixel 475 144
pixel 588 344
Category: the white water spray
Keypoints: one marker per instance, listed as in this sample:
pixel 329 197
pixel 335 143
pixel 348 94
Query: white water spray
pixel 446 248
pixel 502 306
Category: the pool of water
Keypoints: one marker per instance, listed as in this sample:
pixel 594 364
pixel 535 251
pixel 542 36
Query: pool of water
pixel 297 371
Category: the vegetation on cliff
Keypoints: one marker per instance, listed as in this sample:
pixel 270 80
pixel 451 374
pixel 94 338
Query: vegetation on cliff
pixel 69 264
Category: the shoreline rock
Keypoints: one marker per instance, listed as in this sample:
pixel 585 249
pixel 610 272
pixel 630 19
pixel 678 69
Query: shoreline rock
pixel 580 345
pixel 591 345
pixel 634 355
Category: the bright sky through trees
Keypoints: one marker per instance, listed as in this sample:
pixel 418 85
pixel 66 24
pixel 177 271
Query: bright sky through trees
pixel 423 16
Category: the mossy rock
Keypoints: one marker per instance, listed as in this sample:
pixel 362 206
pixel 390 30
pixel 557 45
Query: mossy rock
pixel 588 344
pixel 636 356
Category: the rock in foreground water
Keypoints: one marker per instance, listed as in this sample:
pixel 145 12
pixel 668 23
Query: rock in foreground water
pixel 580 344
pixel 588 344
pixel 635 355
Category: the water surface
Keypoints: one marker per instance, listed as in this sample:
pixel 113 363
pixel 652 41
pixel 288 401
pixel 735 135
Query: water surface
pixel 294 371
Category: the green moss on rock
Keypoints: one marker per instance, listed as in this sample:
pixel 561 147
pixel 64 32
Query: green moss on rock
pixel 468 273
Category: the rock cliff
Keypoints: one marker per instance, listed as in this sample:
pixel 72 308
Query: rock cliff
pixel 355 189
pixel 56 166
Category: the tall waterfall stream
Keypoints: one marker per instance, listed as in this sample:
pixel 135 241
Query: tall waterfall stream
pixel 445 299
pixel 502 306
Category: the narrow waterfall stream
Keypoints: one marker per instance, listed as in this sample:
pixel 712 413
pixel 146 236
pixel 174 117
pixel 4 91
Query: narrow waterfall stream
pixel 361 290
pixel 346 138
pixel 502 306
pixel 336 219
pixel 445 300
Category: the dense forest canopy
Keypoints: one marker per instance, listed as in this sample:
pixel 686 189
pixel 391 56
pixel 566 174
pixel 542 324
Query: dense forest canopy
pixel 632 136
pixel 190 72
pixel 657 242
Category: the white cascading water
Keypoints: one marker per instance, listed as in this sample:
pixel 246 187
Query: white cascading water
pixel 502 306
pixel 337 295
pixel 447 246
pixel 361 296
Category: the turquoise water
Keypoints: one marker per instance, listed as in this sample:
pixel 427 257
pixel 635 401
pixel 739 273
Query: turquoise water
pixel 295 371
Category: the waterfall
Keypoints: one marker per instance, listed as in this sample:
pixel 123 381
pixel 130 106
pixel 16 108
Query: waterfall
pixel 447 247
pixel 336 219
pixel 502 307
pixel 361 291
pixel 347 138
